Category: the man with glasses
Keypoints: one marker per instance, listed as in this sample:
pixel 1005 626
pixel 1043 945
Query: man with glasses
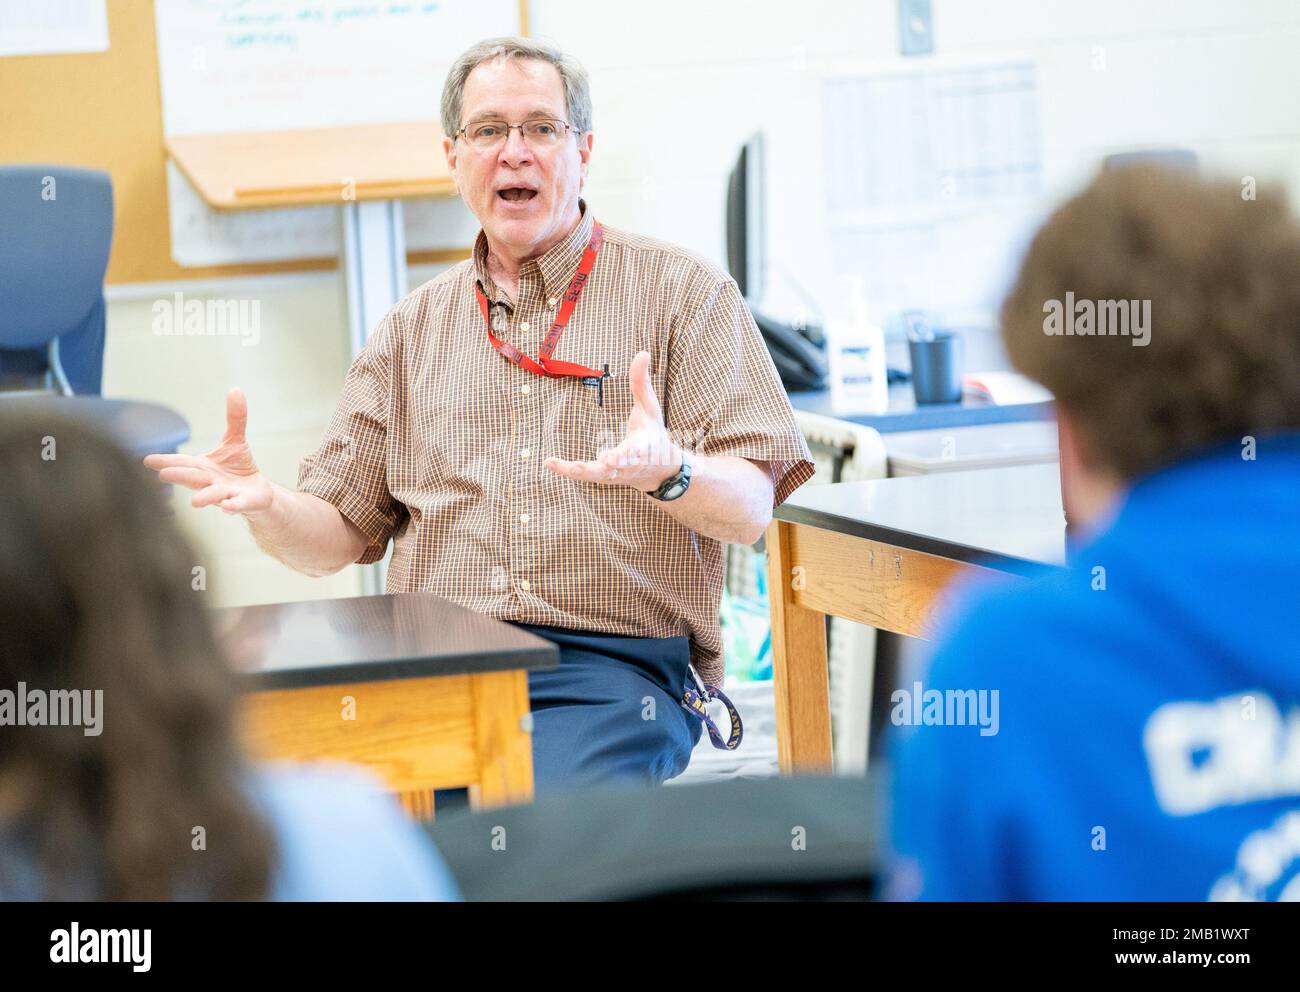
pixel 561 432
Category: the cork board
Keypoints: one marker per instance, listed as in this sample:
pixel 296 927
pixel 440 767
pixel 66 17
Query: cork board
pixel 103 110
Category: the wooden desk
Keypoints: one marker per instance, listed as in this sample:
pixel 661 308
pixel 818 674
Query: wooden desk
pixel 881 553
pixel 364 169
pixel 251 169
pixel 426 694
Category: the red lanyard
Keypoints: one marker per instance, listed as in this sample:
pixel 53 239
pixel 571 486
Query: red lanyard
pixel 545 364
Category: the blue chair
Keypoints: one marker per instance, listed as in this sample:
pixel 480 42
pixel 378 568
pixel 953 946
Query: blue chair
pixel 56 228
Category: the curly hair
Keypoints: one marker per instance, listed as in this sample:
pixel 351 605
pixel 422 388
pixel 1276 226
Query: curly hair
pixel 1221 274
pixel 95 593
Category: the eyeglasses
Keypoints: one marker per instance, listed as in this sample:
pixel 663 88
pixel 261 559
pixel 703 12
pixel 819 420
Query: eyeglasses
pixel 543 132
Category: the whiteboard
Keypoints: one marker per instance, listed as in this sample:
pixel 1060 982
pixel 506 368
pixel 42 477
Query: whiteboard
pixel 261 65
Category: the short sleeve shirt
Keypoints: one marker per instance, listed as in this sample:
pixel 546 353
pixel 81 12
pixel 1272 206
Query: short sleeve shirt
pixel 437 442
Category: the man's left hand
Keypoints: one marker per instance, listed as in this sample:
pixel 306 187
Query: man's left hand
pixel 646 457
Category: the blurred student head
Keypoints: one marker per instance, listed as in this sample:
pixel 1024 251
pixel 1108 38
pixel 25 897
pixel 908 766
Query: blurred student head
pixel 96 596
pixel 1197 284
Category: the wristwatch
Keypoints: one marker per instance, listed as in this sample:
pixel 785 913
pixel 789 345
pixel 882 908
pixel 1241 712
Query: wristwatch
pixel 675 485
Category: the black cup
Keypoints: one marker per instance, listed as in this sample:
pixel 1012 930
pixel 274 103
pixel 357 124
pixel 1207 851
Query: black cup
pixel 936 368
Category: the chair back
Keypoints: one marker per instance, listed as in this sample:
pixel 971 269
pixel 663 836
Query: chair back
pixel 813 838
pixel 57 224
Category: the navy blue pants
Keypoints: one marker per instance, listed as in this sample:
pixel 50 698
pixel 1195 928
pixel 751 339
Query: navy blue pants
pixel 611 711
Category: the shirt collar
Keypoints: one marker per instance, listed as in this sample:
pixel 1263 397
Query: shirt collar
pixel 556 266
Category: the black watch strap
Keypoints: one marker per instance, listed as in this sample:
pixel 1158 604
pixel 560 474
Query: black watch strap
pixel 675 485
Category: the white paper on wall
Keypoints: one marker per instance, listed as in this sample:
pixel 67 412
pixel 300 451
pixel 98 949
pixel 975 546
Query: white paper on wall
pixel 933 177
pixel 201 236
pixel 53 28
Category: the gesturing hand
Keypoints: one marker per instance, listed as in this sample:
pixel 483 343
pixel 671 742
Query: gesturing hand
pixel 646 457
pixel 226 476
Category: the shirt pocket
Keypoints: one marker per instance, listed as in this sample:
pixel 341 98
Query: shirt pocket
pixel 592 418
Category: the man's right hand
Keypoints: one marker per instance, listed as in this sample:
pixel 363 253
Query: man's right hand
pixel 226 476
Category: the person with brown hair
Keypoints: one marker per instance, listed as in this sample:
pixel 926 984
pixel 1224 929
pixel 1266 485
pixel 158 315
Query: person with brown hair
pixel 120 773
pixel 1149 740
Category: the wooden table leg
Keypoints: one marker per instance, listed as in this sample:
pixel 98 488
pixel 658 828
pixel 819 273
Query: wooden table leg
pixel 503 729
pixel 800 676
pixel 418 805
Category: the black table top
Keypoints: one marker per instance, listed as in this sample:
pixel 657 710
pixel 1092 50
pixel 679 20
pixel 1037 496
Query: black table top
pixel 1004 518
pixel 142 428
pixel 371 639
pixel 904 415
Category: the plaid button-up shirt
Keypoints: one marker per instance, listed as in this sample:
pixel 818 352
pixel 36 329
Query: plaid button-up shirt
pixel 437 442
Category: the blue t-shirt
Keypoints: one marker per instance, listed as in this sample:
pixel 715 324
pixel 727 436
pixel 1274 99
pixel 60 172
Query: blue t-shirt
pixel 340 837
pixel 1144 739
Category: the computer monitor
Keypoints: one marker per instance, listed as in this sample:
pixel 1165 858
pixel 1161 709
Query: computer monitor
pixel 746 221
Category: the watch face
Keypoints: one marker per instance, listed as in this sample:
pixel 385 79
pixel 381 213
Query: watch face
pixel 674 486
pixel 676 490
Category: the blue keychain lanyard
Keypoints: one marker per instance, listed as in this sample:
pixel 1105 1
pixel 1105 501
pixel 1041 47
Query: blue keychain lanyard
pixel 695 702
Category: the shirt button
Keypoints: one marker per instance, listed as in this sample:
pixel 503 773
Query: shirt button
pixel 523 585
pixel 524 389
pixel 524 327
pixel 551 302
pixel 524 453
pixel 524 518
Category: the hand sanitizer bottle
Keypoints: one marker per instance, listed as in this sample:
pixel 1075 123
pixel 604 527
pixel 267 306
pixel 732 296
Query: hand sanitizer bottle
pixel 856 360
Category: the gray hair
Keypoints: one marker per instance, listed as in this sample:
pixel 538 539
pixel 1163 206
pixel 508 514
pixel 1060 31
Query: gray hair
pixel 577 93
